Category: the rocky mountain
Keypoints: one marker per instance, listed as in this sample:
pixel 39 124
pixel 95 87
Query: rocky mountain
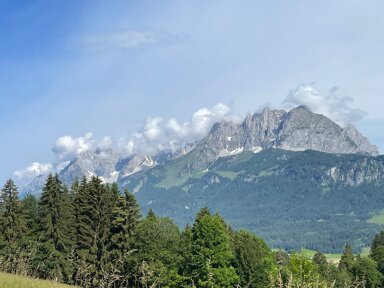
pixel 283 174
pixel 296 130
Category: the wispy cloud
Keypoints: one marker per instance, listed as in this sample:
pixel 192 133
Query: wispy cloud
pixel 333 105
pixel 129 40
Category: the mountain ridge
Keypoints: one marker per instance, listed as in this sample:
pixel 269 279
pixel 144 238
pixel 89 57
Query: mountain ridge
pixel 298 129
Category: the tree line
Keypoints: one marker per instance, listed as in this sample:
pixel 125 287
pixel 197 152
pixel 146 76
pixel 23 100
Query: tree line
pixel 92 235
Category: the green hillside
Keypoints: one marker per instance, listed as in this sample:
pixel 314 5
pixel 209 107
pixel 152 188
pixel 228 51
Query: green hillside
pixel 293 200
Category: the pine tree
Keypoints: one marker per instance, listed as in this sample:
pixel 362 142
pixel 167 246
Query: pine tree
pixel 254 260
pixel 377 251
pixel 13 224
pixel 56 233
pixel 212 256
pixel 30 206
pixel 94 204
pixel 347 259
pixel 125 219
pixel 56 215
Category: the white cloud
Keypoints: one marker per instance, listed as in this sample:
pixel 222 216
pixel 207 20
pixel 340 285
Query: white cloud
pixel 66 147
pixel 26 175
pixel 34 170
pixel 157 135
pixel 330 104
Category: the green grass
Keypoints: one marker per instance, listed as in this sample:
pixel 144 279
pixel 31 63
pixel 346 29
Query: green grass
pixel 228 174
pixel 377 219
pixel 334 258
pixel 173 175
pixel 15 281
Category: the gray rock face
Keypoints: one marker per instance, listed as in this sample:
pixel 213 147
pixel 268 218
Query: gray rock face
pixel 135 164
pixel 90 163
pixel 301 130
pixel 296 130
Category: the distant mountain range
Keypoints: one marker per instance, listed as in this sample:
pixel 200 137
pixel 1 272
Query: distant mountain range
pixel 296 178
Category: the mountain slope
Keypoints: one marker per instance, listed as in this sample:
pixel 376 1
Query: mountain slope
pixel 292 199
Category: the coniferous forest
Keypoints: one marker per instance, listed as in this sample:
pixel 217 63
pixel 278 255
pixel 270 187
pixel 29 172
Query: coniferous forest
pixel 93 235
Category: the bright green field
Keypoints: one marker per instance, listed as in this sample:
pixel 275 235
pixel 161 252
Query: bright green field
pixel 377 219
pixel 14 281
pixel 334 258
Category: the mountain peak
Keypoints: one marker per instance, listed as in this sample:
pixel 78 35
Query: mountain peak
pixel 302 107
pixel 296 130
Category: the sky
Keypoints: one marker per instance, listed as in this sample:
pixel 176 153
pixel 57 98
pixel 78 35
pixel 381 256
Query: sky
pixel 149 75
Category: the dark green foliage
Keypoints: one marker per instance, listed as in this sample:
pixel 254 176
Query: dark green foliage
pixel 211 255
pixel 94 203
pixel 125 221
pixel 30 206
pixel 126 217
pixel 254 260
pixel 56 231
pixel 13 224
pixel 347 259
pixel 377 253
pixel 92 236
pixel 365 269
pixel 157 245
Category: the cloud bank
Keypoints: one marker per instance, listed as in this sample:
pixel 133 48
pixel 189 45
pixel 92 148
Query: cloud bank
pixel 157 135
pixel 168 135
pixel 331 104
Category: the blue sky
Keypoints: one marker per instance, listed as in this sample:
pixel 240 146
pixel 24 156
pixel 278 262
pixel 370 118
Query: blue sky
pixel 70 67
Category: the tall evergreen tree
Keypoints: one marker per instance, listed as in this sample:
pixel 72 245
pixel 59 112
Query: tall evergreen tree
pixel 56 215
pixel 347 259
pixel 95 202
pixel 30 206
pixel 211 264
pixel 13 224
pixel 125 219
pixel 56 231
pixel 254 260
pixel 126 215
pixel 377 251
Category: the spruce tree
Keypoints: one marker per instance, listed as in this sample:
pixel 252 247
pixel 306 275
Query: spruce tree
pixel 95 202
pixel 347 259
pixel 13 224
pixel 30 206
pixel 126 215
pixel 254 260
pixel 377 251
pixel 211 264
pixel 56 234
pixel 125 219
